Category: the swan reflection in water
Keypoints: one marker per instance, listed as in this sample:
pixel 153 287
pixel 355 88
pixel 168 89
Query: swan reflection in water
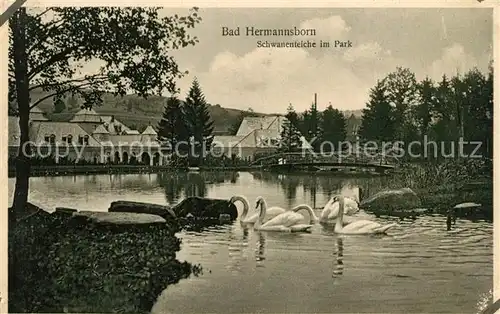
pixel 237 251
pixel 338 264
pixel 259 251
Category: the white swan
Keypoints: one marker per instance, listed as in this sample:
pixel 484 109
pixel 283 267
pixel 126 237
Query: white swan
pixel 359 226
pixel 331 209
pixel 313 219
pixel 289 221
pixel 244 218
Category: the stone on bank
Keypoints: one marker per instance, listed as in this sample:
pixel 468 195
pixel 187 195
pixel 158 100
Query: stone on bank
pixel 92 262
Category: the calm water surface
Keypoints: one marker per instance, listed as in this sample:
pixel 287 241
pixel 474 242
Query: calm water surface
pixel 417 267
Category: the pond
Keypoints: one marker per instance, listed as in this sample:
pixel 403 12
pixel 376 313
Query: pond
pixel 417 267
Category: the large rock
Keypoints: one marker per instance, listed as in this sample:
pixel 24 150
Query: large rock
pixel 65 211
pixel 387 201
pixel 106 218
pixel 142 208
pixel 205 208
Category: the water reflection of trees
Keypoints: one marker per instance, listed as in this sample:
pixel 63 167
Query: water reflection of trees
pixel 187 184
pixel 326 185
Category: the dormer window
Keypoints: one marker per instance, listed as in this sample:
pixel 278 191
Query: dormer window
pixel 83 140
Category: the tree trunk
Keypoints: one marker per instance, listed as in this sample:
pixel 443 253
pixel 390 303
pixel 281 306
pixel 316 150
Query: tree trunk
pixel 18 24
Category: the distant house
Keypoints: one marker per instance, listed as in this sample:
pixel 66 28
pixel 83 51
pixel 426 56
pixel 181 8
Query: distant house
pixel 256 135
pixel 93 137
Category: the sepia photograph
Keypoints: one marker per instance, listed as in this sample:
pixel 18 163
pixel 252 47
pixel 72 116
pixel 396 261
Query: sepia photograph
pixel 249 159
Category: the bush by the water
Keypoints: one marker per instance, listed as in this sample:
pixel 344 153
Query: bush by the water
pixel 449 174
pixel 442 185
pixel 60 264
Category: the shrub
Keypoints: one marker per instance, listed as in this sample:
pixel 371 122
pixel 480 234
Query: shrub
pixel 447 175
pixel 58 265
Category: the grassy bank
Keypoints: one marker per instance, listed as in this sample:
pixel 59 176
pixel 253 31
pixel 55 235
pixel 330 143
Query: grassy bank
pixel 442 185
pixel 62 265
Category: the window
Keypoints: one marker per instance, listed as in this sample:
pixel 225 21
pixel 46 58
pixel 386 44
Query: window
pixel 70 139
pixel 52 139
pixel 86 140
pixel 64 139
pixel 47 139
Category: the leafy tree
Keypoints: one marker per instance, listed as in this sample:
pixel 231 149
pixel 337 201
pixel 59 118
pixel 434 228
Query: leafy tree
pixel 352 125
pixel 59 106
pixel 311 126
pixel 333 124
pixel 476 102
pixel 401 88
pixel 458 101
pixel 71 101
pixel 445 127
pixel 377 122
pixel 198 119
pixel 48 46
pixel 172 127
pixel 290 134
pixel 488 91
pixel 426 104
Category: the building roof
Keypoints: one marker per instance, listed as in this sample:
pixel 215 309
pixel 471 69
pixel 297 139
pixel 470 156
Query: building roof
pixel 274 123
pixel 86 115
pixel 36 110
pixel 100 130
pixel 115 126
pixel 149 131
pixel 131 132
pixel 39 130
pixel 37 114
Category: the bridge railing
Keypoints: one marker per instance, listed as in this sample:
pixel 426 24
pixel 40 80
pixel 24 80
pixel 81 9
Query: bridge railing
pixel 309 157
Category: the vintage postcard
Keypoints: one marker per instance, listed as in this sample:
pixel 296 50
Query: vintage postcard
pixel 249 158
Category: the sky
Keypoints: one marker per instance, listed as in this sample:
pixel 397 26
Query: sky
pixel 235 73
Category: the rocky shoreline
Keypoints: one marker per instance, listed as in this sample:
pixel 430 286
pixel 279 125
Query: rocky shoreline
pixel 118 261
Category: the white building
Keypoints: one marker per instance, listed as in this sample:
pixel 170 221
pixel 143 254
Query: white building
pixel 87 136
pixel 255 135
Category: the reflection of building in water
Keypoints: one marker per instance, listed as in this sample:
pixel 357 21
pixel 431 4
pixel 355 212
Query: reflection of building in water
pixel 338 264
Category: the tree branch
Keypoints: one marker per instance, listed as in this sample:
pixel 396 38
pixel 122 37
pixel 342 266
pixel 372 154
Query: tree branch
pixel 44 12
pixel 36 103
pixel 55 58
pixel 96 77
pixel 53 26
